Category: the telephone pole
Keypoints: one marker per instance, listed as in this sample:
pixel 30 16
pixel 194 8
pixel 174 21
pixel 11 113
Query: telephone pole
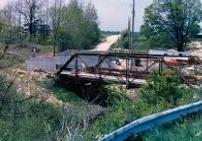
pixel 133 27
pixel 132 45
pixel 129 48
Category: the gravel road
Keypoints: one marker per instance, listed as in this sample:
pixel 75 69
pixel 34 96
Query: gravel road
pixel 48 64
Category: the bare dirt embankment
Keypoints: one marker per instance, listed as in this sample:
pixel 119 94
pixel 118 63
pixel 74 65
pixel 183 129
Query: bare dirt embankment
pixel 108 42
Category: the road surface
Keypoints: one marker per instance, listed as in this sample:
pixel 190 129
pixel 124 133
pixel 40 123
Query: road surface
pixel 48 64
pixel 108 42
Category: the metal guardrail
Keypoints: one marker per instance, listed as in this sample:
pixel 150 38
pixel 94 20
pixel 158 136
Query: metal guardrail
pixel 152 121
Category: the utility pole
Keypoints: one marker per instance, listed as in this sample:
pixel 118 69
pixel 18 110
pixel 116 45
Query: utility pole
pixel 129 34
pixel 129 48
pixel 132 35
pixel 133 27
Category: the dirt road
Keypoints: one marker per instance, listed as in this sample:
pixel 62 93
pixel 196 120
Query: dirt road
pixel 106 45
pixel 49 63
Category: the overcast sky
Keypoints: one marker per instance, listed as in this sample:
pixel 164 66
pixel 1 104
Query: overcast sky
pixel 113 14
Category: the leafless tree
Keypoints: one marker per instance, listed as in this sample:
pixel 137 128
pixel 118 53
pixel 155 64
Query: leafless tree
pixel 31 11
pixel 55 13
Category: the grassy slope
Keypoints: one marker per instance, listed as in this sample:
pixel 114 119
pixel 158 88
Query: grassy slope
pixel 36 121
pixel 66 96
pixel 190 130
pixel 122 110
pixel 60 93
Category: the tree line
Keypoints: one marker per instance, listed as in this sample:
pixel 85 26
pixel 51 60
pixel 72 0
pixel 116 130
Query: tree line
pixel 168 24
pixel 73 25
pixel 172 24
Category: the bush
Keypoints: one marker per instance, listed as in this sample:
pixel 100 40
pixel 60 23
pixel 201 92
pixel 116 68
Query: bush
pixel 9 61
pixel 166 87
pixel 115 94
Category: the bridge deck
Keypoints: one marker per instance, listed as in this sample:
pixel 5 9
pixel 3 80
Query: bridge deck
pixel 104 78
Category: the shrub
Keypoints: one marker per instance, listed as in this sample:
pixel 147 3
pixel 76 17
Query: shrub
pixel 166 87
pixel 115 94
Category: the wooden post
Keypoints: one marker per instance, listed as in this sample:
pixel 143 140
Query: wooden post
pixel 76 66
pixel 99 68
pixel 127 71
pixel 159 66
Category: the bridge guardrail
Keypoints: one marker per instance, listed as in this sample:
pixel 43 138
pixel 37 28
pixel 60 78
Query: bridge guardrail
pixel 152 121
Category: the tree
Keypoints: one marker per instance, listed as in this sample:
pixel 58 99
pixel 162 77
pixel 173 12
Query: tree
pixel 30 10
pixel 55 13
pixel 172 22
pixel 92 30
pixel 76 25
pixel 6 28
pixel 82 24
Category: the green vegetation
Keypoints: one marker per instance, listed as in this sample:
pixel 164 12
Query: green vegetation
pixel 75 25
pixel 9 61
pixel 56 114
pixel 25 119
pixel 66 96
pixel 186 130
pixel 141 43
pixel 168 25
pixel 162 92
pixel 29 118
pixel 78 29
pixel 33 119
pixel 60 93
pixel 166 88
pixel 171 24
pixel 108 33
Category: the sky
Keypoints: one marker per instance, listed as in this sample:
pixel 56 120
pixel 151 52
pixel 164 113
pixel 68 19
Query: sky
pixel 113 14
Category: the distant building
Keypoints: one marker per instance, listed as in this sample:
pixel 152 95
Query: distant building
pixel 40 29
pixel 43 29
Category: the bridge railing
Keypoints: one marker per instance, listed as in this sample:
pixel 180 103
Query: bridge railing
pixel 152 121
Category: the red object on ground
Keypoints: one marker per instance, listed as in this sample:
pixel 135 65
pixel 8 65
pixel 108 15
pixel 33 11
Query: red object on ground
pixel 171 62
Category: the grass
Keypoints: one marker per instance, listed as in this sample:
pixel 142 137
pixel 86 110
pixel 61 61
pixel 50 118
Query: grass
pixel 26 52
pixel 185 130
pixel 26 120
pixel 189 130
pixel 60 93
pixel 162 92
pixel 9 61
pixel 66 96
